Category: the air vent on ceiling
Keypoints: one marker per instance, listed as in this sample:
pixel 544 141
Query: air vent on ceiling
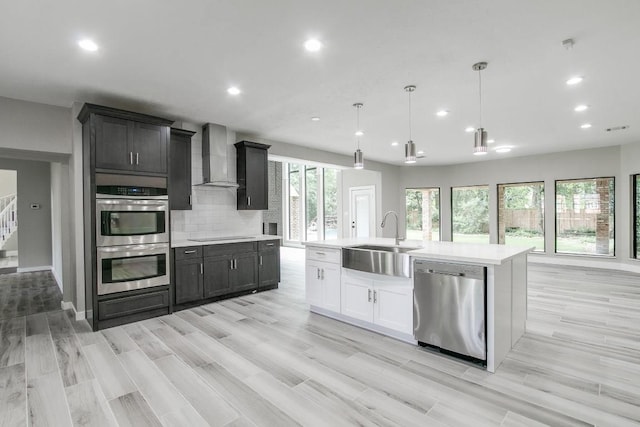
pixel 615 128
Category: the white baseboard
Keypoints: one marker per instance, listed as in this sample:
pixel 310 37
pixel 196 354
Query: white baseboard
pixel 11 253
pixel 587 262
pixel 68 305
pixel 32 269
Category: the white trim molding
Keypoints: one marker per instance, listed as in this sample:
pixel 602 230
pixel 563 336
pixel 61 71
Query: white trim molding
pixel 68 305
pixel 32 269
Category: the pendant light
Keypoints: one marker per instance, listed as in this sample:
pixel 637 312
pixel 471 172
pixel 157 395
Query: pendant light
pixel 410 147
pixel 480 138
pixel 358 160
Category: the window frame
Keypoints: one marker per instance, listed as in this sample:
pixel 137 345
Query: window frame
pixel 555 219
pixel 488 187
pixel 439 208
pixel 544 218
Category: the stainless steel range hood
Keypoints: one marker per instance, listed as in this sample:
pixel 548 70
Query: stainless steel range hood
pixel 215 166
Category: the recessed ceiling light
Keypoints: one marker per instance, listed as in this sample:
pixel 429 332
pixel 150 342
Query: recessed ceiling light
pixel 575 80
pixel 359 133
pixel 470 129
pixel 88 45
pixel 233 91
pixel 490 141
pixel 585 125
pixel 503 149
pixel 581 107
pixel 442 113
pixel 313 45
pixel 394 144
pixel 315 119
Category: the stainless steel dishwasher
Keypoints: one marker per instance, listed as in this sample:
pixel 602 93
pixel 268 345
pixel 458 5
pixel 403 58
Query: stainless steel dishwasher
pixel 449 311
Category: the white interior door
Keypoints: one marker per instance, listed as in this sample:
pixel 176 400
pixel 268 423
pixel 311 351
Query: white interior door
pixel 362 211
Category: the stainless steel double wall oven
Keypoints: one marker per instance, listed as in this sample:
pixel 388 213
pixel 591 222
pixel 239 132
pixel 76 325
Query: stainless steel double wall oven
pixel 132 232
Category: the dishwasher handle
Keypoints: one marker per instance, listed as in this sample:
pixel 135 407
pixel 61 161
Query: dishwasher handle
pixel 446 273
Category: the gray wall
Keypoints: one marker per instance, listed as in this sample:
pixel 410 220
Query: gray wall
pixel 29 126
pixel 34 186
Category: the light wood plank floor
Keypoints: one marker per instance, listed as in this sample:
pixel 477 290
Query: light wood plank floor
pixel 264 360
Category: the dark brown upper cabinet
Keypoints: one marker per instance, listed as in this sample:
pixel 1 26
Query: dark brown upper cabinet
pixel 252 171
pixel 180 169
pixel 127 141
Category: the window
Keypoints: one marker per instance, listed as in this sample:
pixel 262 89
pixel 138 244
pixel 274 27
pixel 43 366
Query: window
pixel 330 188
pixel 636 215
pixel 311 203
pixel 294 205
pixel 423 213
pixel 585 216
pixel 470 214
pixel 521 214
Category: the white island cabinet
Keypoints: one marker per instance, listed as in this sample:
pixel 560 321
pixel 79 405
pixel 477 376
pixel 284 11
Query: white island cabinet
pixel 385 303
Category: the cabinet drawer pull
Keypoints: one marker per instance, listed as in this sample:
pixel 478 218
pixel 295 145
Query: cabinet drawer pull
pixel 369 295
pixel 130 157
pixel 137 158
pixel 190 252
pixel 320 253
pixel 270 244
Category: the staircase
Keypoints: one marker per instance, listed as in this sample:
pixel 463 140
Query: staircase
pixel 8 219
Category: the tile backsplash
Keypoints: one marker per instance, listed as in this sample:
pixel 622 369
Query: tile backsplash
pixel 214 212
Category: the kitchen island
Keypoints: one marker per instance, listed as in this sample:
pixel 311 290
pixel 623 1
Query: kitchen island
pixel 384 303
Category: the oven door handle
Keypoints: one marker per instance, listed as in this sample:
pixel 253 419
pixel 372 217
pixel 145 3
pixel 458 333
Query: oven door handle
pixel 146 249
pixel 131 202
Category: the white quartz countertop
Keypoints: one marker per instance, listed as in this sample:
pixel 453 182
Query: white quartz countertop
pixel 476 253
pixel 223 240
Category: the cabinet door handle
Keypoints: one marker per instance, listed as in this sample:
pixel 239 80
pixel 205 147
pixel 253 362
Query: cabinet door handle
pixel 322 274
pixel 235 264
pixel 318 273
pixel 375 297
pixel 201 268
pixel 260 259
pixel 369 295
pixel 130 157
pixel 189 199
pixel 190 252
pixel 249 200
pixel 230 264
pixel 137 158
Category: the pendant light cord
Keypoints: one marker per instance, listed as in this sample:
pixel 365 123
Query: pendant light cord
pixel 358 125
pixel 480 93
pixel 410 116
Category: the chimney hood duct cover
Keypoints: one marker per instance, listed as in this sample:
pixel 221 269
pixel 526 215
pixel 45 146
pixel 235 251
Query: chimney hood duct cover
pixel 215 166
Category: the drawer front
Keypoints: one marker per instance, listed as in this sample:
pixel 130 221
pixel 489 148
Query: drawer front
pixel 268 245
pixel 125 306
pixel 331 255
pixel 230 248
pixel 190 252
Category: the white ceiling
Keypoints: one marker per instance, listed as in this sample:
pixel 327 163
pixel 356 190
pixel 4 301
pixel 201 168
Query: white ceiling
pixel 177 58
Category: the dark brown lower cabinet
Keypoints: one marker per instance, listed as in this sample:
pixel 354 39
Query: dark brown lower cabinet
pixel 216 276
pixel 207 273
